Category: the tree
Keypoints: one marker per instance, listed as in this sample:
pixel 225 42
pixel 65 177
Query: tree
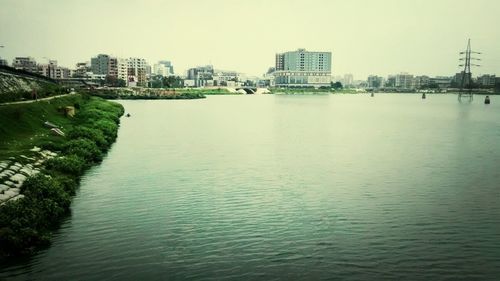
pixel 121 83
pixel 337 85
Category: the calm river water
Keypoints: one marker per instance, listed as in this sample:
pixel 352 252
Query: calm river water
pixel 269 187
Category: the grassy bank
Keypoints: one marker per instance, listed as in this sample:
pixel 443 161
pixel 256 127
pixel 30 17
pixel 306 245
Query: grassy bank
pixel 207 91
pixel 158 94
pixel 310 91
pixel 144 94
pixel 27 224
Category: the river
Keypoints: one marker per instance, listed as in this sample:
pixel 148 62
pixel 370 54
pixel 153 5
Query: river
pixel 282 187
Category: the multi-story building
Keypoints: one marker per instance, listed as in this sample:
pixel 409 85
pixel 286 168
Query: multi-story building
pixel 443 82
pixel 163 68
pixel 390 82
pixel 302 68
pixel 82 69
pixel 201 75
pixel 404 81
pixel 104 64
pixel 460 78
pixel 25 63
pixel 486 80
pixel 100 64
pixel 168 66
pixel 3 62
pixel 221 78
pixel 113 67
pixel 348 80
pixel 122 68
pixel 136 72
pixel 375 81
pixel 52 70
pixel 421 81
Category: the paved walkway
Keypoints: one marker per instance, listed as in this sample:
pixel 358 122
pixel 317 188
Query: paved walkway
pixel 30 101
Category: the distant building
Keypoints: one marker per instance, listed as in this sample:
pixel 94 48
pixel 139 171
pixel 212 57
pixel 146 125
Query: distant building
pixel 404 81
pixel 457 80
pixel 202 75
pixel 375 81
pixel 100 64
pixel 486 80
pixel 136 71
pixel 221 78
pixel 163 68
pixel 390 82
pixel 25 63
pixel 421 82
pixel 443 82
pixel 3 62
pixel 122 68
pixel 52 70
pixel 168 65
pixel 348 80
pixel 82 70
pixel 113 67
pixel 302 68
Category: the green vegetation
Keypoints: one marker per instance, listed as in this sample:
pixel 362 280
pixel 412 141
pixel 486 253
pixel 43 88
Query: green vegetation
pixel 21 125
pixel 156 94
pixel 46 89
pixel 148 94
pixel 207 91
pixel 27 224
pixel 311 91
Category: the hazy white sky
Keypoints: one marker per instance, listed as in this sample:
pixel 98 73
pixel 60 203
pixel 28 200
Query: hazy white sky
pixel 365 36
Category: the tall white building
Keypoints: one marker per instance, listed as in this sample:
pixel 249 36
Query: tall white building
pixel 122 66
pixel 302 68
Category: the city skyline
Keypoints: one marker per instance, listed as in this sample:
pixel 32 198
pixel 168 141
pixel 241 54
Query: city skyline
pixel 365 37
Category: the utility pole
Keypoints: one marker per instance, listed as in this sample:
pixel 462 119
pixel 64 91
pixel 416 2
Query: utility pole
pixel 465 93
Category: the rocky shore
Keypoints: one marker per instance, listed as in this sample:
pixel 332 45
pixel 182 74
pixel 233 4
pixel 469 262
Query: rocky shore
pixel 13 173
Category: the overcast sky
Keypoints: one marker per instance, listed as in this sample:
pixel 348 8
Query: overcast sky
pixel 366 37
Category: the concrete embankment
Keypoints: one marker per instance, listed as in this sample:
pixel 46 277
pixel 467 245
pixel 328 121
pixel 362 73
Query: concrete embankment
pixel 13 173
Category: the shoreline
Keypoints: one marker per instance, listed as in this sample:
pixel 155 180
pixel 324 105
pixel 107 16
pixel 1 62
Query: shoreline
pixel 44 179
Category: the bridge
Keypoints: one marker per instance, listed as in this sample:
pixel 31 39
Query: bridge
pixel 251 90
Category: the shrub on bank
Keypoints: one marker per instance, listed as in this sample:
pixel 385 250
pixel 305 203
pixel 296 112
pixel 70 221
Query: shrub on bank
pixel 84 148
pixel 71 164
pixel 26 224
pixel 108 128
pixel 94 135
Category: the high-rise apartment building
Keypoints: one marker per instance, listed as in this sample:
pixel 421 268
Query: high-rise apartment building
pixel 100 64
pixel 375 81
pixel 302 68
pixel 25 63
pixel 122 69
pixel 136 71
pixel 404 81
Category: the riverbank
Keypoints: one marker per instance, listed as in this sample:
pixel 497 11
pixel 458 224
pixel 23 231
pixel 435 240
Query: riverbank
pixel 46 147
pixel 158 94
pixel 311 91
